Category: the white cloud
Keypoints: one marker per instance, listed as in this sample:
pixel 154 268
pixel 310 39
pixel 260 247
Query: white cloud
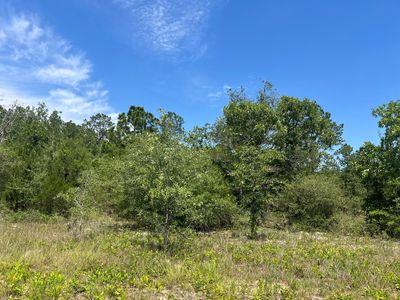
pixel 2 36
pixel 169 26
pixel 216 94
pixel 74 105
pixel 67 70
pixel 213 96
pixel 38 65
pixel 9 96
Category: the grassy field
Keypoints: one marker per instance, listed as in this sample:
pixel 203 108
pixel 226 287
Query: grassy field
pixel 46 261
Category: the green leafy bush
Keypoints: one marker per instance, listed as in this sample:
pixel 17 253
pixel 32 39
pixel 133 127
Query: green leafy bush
pixel 311 202
pixel 154 182
pixel 383 221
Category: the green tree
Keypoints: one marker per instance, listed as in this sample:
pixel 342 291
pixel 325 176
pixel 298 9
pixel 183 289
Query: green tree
pixel 7 118
pixel 170 125
pixel 305 132
pixel 245 153
pixel 255 180
pixel 101 125
pixel 200 137
pixel 50 153
pixel 158 182
pixel 379 168
pixel 9 167
pixel 162 180
pixel 99 133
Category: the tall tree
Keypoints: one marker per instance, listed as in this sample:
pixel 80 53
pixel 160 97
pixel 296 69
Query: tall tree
pixel 101 125
pixel 100 133
pixel 170 125
pixel 379 168
pixel 140 120
pixel 306 131
pixel 254 177
pixel 7 118
pixel 244 137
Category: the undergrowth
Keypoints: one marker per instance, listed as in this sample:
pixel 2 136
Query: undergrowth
pixel 47 261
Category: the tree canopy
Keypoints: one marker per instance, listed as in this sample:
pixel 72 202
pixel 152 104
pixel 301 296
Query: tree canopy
pixel 261 156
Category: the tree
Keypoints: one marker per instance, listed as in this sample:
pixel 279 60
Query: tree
pixel 101 128
pixel 9 166
pixel 158 178
pixel 122 129
pixel 7 118
pixel 389 115
pixel 101 125
pixel 200 137
pixel 50 155
pixel 246 122
pixel 254 177
pixel 137 120
pixel 379 168
pixel 154 181
pixel 60 171
pixel 305 132
pixel 140 120
pixel 245 153
pixel 170 125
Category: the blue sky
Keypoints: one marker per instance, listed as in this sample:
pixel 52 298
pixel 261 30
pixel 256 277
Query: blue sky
pixel 89 56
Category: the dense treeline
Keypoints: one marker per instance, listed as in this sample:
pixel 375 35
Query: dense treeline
pixel 273 156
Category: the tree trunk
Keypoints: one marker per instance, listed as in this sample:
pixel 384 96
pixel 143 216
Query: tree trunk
pixel 253 225
pixel 166 231
pixel 254 220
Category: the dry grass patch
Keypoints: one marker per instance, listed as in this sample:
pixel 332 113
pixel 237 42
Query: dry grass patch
pixel 47 261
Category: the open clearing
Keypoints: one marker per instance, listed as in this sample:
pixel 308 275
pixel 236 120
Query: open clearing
pixel 45 261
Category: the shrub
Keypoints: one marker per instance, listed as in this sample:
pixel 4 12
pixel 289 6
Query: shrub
pixel 151 177
pixel 383 221
pixel 30 216
pixel 311 202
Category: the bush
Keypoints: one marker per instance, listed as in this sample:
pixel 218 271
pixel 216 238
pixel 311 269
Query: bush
pixel 383 221
pixel 349 224
pixel 151 176
pixel 311 202
pixel 28 216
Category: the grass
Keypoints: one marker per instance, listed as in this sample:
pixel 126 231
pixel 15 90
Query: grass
pixel 46 261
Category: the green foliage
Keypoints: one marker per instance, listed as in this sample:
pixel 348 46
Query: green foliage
pixel 136 120
pixel 379 169
pixel 311 202
pixel 200 137
pixel 262 143
pixel 170 125
pixel 156 177
pixel 306 131
pixel 99 134
pixel 244 153
pixel 47 158
pixel 167 183
pixel 384 221
pixel 9 165
pixel 254 178
pixel 211 205
pixel 158 184
pixel 351 181
pixel 43 261
pixel 245 122
pixel 149 170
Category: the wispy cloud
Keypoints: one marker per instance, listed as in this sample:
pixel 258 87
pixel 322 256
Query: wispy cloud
pixel 218 94
pixel 38 65
pixel 169 26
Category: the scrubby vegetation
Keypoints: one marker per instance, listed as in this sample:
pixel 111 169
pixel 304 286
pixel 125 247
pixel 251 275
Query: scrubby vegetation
pixel 45 261
pixel 144 208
